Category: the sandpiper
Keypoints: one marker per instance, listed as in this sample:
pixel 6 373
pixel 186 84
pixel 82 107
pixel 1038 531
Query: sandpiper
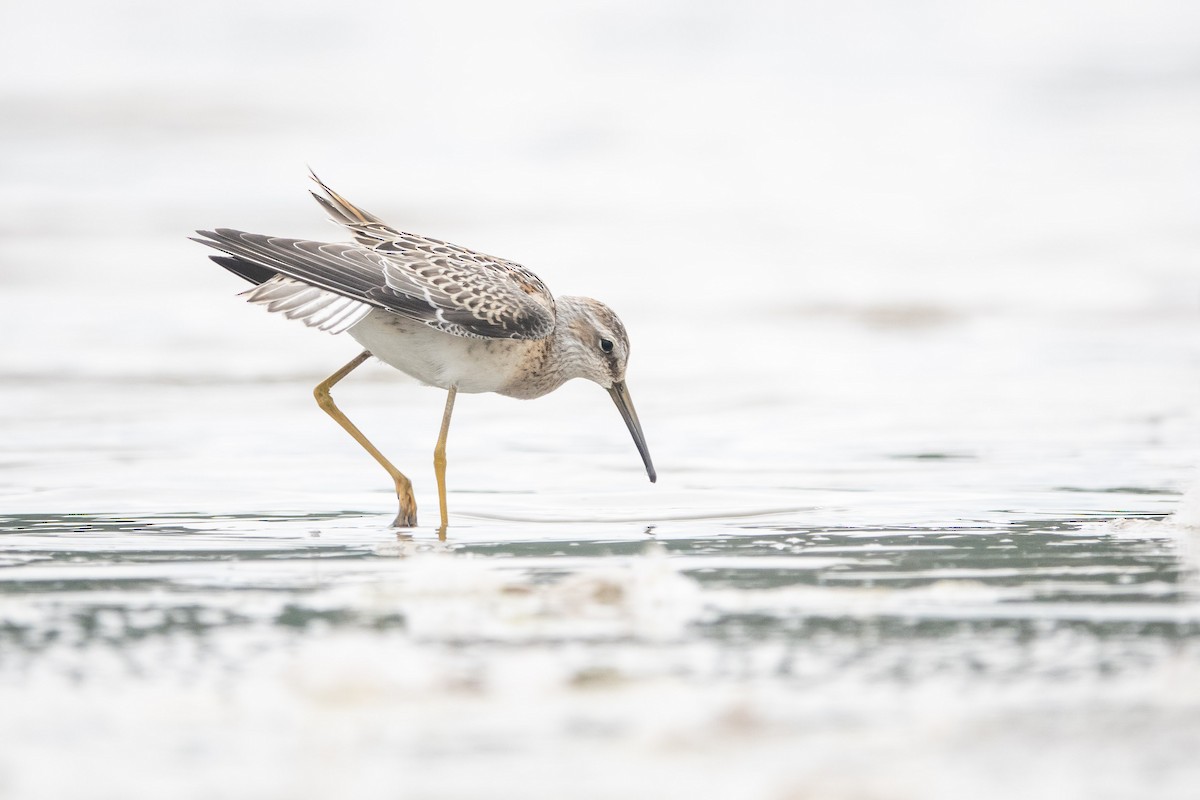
pixel 448 316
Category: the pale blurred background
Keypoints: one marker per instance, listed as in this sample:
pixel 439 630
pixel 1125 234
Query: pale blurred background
pixel 679 159
pixel 887 268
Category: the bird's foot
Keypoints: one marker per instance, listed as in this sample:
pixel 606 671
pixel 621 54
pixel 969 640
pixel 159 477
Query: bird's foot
pixel 407 516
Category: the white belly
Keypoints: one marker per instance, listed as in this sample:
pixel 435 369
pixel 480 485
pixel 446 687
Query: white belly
pixel 442 359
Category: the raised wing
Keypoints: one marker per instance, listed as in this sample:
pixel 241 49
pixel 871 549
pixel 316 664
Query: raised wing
pixel 447 287
pixel 472 280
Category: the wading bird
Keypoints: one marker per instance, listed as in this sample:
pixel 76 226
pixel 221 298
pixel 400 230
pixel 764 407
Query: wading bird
pixel 448 316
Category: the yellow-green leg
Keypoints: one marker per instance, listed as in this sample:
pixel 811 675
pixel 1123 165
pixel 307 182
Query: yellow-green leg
pixel 407 517
pixel 439 459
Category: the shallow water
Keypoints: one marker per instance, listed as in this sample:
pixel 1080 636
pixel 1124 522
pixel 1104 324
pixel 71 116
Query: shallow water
pixel 915 352
pixel 877 598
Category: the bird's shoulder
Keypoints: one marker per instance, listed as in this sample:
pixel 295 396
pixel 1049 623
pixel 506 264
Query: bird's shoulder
pixel 479 293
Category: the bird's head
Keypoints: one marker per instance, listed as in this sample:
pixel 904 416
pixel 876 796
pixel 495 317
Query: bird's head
pixel 599 351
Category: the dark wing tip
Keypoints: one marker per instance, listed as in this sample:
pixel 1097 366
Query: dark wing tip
pixel 208 239
pixel 219 237
pixel 255 273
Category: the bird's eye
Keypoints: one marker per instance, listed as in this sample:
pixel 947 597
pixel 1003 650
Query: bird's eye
pixel 606 345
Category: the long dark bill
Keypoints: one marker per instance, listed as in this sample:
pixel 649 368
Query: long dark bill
pixel 620 395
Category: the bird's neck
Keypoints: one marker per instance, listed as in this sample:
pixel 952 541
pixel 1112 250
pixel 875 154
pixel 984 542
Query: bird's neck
pixel 559 357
